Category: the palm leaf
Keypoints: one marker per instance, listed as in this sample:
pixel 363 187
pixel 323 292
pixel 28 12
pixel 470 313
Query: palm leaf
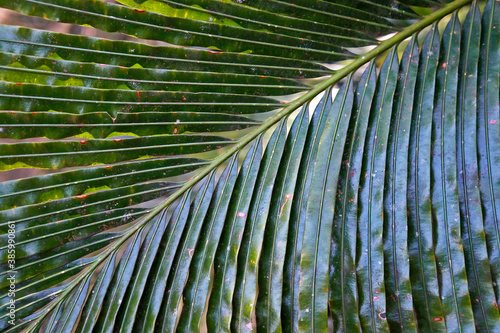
pixel 375 208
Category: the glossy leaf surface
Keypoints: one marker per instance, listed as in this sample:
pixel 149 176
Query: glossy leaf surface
pixel 191 180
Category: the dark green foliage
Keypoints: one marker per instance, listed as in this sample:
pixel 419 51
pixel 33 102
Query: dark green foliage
pixel 378 209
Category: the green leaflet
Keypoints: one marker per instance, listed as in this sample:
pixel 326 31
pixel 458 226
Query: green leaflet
pixel 325 12
pixel 51 212
pixel 380 211
pixel 118 285
pixel 71 153
pixel 27 293
pixel 54 317
pixel 29 191
pixel 32 266
pixel 178 30
pixel 225 261
pixel 271 262
pixel 49 71
pixel 445 201
pixel 315 254
pixel 163 8
pixel 483 299
pixel 370 255
pixel 343 285
pixel 27 308
pixel 488 134
pixel 92 306
pixel 180 266
pixel 291 269
pixel 31 42
pixel 423 270
pixel 196 291
pixel 400 312
pixel 135 289
pixel 244 298
pixel 399 10
pixel 100 125
pixel 35 239
pixel 234 13
pixel 155 287
pixel 47 279
pixel 70 310
pixel 34 97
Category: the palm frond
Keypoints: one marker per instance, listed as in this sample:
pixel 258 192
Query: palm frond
pixel 378 209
